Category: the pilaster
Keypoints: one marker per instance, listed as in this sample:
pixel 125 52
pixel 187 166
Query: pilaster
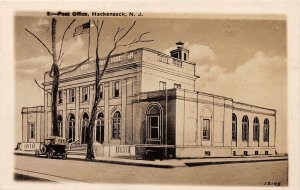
pixel 77 114
pixel 106 113
pixel 123 108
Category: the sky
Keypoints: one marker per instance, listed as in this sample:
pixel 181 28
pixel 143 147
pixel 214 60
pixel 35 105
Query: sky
pixel 243 59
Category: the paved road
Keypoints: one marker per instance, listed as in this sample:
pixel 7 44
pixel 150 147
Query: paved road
pixel 229 174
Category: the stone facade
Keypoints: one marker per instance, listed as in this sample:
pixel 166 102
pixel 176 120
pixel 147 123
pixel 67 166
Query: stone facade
pixel 149 104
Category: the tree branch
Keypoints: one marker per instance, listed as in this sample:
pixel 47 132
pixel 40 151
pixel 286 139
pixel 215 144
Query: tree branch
pixel 125 34
pixel 116 34
pixel 116 41
pixel 100 28
pixel 137 40
pixel 75 68
pixel 62 41
pixel 39 41
pixel 42 87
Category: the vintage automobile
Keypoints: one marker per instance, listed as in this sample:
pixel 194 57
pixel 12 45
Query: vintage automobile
pixel 52 147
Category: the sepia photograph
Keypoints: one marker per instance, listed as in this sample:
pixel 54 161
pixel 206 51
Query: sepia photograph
pixel 148 98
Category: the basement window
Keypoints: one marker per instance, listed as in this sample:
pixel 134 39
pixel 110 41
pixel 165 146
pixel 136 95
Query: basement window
pixel 207 153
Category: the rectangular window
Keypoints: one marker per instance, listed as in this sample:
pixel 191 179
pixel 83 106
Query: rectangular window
pixel 245 153
pixel 84 94
pixel 207 153
pixel 101 91
pixel 256 152
pixel 130 55
pixel 234 153
pixel 244 132
pixel 116 89
pixel 154 127
pixel 266 153
pixel 255 133
pixel 233 131
pixel 206 129
pixel 266 133
pixel 178 86
pixel 162 85
pixel 72 95
pixel 60 97
pixel 32 130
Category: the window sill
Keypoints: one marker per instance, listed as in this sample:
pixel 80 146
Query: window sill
pixel 153 139
pixel 115 97
pixel 115 139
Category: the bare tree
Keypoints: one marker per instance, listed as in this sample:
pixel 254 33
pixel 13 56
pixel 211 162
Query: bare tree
pixel 118 37
pixel 55 70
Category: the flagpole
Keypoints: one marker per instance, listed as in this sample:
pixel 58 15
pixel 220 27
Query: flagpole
pixel 166 145
pixel 89 39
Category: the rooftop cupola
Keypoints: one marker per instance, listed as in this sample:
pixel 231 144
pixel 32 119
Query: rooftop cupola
pixel 180 52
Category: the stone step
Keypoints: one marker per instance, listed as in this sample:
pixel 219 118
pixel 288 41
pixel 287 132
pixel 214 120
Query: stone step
pixel 78 148
pixel 75 152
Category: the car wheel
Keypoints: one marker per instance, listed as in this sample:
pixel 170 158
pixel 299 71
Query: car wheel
pixel 64 156
pixel 36 153
pixel 43 149
pixel 50 154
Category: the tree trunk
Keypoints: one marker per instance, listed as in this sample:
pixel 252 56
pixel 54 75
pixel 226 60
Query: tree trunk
pixel 55 83
pixel 90 147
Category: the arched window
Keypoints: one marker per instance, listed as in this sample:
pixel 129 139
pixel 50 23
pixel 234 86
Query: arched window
pixel 116 124
pixel 71 127
pixel 84 129
pixel 100 128
pixel 154 123
pixel 59 122
pixel 234 127
pixel 245 128
pixel 266 130
pixel 256 129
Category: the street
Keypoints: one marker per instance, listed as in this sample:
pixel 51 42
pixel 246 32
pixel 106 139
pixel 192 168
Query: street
pixel 253 174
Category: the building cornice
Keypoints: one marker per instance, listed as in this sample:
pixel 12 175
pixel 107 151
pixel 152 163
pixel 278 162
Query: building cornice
pixel 175 73
pixel 92 74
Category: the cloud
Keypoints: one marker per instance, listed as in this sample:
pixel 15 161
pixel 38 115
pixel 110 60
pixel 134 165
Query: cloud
pixel 41 24
pixel 74 49
pixel 261 81
pixel 33 67
pixel 198 53
pixel 259 77
pixel 201 52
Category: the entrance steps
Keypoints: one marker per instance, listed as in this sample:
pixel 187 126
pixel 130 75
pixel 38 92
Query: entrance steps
pixel 77 149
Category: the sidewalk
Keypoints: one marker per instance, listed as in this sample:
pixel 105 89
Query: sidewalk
pixel 172 162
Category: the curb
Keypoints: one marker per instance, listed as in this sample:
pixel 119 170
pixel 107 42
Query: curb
pixel 110 162
pixel 167 166
pixel 191 164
